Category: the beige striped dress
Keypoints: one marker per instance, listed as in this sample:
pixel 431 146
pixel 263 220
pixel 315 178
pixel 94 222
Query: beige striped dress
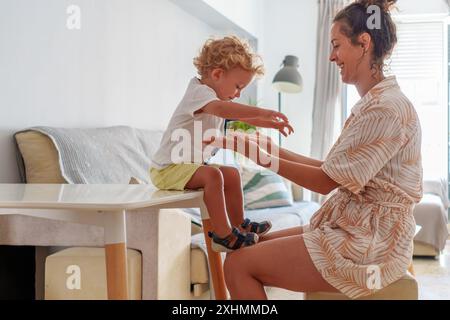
pixel 361 238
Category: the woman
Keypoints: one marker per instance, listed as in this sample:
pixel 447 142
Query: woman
pixel 360 240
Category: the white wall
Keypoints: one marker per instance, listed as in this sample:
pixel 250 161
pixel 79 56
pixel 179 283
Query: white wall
pixel 245 13
pixel 281 28
pixel 289 28
pixel 129 64
pixel 421 7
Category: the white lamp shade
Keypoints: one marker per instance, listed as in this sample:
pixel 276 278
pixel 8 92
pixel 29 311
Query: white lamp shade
pixel 288 87
pixel 288 79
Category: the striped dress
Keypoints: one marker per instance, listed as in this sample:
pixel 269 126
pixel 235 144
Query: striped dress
pixel 361 239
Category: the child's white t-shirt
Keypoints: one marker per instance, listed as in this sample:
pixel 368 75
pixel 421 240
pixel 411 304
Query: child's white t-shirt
pixel 182 140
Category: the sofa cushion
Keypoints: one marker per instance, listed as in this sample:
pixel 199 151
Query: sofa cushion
pixel 298 214
pixel 40 158
pixel 431 214
pixel 264 189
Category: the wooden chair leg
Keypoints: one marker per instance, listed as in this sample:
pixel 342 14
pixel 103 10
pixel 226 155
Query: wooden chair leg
pixel 215 265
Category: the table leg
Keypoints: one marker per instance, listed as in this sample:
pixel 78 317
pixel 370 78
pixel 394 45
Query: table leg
pixel 215 265
pixel 116 255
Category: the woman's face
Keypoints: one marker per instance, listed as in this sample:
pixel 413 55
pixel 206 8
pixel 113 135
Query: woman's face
pixel 348 57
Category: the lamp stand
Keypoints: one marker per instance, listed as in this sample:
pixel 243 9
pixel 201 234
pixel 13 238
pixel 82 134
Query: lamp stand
pixel 279 110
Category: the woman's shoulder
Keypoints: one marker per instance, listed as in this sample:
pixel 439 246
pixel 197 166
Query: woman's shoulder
pixel 393 104
pixel 397 101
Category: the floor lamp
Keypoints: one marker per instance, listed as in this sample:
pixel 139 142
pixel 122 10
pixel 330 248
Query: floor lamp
pixel 287 80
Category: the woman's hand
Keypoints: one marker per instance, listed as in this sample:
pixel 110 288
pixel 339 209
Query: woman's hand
pixel 244 145
pixel 264 142
pixel 238 143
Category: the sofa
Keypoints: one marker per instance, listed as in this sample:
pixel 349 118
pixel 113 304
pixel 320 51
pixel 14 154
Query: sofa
pixel 431 214
pixel 186 273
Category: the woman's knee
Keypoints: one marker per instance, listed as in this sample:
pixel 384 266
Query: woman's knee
pixel 234 267
pixel 230 269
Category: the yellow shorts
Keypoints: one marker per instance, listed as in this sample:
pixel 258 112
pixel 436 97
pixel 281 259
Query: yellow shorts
pixel 175 176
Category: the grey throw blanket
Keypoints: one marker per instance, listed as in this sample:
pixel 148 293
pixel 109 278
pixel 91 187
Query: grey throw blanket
pixel 109 155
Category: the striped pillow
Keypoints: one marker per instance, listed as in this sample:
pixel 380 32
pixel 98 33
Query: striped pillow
pixel 264 189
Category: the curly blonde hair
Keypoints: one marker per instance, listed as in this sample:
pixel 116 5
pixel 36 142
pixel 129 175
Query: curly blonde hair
pixel 227 53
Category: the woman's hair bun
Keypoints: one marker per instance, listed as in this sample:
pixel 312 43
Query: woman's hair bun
pixel 385 5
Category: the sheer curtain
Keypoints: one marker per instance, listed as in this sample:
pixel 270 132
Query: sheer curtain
pixel 327 87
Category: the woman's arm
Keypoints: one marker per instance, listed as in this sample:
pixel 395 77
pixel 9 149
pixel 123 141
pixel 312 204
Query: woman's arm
pixel 310 177
pixel 295 157
pixel 269 146
pixel 307 176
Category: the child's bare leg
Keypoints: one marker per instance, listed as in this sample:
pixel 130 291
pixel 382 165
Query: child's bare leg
pixel 235 202
pixel 233 195
pixel 211 180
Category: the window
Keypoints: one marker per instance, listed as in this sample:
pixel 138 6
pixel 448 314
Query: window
pixel 418 62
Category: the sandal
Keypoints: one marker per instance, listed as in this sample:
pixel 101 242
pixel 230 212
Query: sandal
pixel 235 240
pixel 260 228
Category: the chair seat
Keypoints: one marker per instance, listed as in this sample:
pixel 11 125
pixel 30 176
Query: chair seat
pixel 405 288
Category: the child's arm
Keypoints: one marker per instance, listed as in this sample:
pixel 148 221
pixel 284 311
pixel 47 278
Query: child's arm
pixel 252 115
pixel 266 123
pixel 238 111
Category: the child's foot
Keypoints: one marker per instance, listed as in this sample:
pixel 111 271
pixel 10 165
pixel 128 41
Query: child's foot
pixel 235 240
pixel 260 228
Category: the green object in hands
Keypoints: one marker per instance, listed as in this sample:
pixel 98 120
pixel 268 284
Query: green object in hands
pixel 240 126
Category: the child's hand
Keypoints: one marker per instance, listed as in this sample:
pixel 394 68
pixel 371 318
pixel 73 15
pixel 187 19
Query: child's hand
pixel 274 120
pixel 281 122
pixel 284 127
pixel 277 116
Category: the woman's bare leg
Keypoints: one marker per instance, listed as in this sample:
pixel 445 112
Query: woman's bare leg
pixel 234 198
pixel 283 263
pixel 211 180
pixel 294 231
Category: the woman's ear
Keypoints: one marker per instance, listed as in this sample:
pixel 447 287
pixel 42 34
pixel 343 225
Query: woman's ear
pixel 365 41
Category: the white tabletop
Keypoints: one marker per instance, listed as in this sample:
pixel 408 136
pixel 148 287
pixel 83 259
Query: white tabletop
pixel 88 196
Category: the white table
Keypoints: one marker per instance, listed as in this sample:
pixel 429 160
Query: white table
pixel 106 206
